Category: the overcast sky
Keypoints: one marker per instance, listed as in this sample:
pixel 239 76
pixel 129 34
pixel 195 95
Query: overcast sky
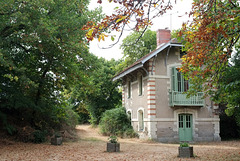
pixel 173 23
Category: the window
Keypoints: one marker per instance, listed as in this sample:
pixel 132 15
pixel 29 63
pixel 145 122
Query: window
pixel 179 83
pixel 129 89
pixel 140 120
pixel 180 121
pixel 129 115
pixel 140 85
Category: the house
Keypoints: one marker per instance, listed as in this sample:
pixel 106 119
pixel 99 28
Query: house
pixel 153 95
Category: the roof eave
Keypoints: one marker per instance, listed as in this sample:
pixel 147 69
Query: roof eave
pixel 140 64
pixel 137 66
pixel 164 46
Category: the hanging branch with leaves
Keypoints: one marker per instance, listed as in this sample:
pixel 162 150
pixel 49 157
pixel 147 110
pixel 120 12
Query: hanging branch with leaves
pixel 130 15
pixel 209 42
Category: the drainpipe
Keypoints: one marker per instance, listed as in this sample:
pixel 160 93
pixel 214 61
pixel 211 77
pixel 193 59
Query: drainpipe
pixel 145 70
pixel 153 63
pixel 167 55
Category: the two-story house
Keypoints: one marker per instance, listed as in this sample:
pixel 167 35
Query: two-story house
pixel 153 95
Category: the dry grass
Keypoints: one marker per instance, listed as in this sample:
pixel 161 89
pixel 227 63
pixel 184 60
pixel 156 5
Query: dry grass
pixel 92 146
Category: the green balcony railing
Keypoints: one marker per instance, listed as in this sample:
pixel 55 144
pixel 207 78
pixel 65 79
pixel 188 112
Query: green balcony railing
pixel 180 99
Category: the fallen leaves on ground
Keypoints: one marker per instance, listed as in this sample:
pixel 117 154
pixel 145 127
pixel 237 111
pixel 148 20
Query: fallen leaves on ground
pixel 92 146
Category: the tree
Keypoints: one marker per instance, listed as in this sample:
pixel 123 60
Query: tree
pixel 229 87
pixel 131 14
pixel 133 52
pixel 100 93
pixel 43 54
pixel 209 42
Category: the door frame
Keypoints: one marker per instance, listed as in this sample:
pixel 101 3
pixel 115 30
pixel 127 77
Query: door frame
pixel 194 113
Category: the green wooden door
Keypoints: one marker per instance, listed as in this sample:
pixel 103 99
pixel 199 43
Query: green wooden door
pixel 185 127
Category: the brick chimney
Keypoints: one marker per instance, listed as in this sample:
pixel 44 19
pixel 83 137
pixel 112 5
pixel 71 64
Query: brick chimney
pixel 163 36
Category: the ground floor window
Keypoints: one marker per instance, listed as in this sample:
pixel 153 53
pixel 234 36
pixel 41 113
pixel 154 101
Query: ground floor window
pixel 140 120
pixel 129 115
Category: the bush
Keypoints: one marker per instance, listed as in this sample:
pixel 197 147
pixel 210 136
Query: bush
pixel 184 145
pixel 116 122
pixel 113 139
pixel 39 136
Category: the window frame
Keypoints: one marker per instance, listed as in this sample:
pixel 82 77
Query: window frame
pixel 141 120
pixel 179 83
pixel 129 86
pixel 140 85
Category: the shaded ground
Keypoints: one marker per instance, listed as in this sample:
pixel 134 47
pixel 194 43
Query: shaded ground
pixel 92 146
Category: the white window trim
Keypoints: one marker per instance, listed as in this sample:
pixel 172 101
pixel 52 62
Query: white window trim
pixel 130 110
pixel 129 87
pixel 140 109
pixel 169 71
pixel 140 76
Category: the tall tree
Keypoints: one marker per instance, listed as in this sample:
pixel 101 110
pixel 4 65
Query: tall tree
pixel 209 41
pixel 229 88
pixel 43 53
pixel 133 52
pixel 100 93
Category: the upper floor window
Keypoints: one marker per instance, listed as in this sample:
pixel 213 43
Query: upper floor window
pixel 140 85
pixel 129 89
pixel 179 83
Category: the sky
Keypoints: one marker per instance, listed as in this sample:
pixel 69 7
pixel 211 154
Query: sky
pixel 172 19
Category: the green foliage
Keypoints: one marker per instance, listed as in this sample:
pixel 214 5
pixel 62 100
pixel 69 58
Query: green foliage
pixel 133 50
pixel 229 87
pixel 184 144
pixel 116 122
pixel 57 134
pixel 210 41
pixel 228 125
pixel 113 139
pixel 10 129
pixel 82 112
pixel 43 55
pixel 100 93
pixel 174 34
pixel 39 136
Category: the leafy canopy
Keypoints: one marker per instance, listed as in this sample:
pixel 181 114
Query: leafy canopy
pixel 133 51
pixel 209 41
pixel 43 53
pixel 99 93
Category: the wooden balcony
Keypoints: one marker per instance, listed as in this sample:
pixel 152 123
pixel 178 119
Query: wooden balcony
pixel 180 99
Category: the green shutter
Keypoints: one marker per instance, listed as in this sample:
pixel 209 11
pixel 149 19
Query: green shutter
pixel 174 79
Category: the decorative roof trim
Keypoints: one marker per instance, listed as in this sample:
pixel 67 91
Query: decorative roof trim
pixel 149 56
pixel 137 66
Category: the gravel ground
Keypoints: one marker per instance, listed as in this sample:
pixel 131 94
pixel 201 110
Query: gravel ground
pixel 92 146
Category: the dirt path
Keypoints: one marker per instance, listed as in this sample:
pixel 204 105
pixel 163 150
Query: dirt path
pixel 86 132
pixel 91 146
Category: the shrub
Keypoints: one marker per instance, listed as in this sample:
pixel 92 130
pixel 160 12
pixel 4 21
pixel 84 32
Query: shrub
pixel 184 145
pixel 10 129
pixel 39 136
pixel 116 122
pixel 113 139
